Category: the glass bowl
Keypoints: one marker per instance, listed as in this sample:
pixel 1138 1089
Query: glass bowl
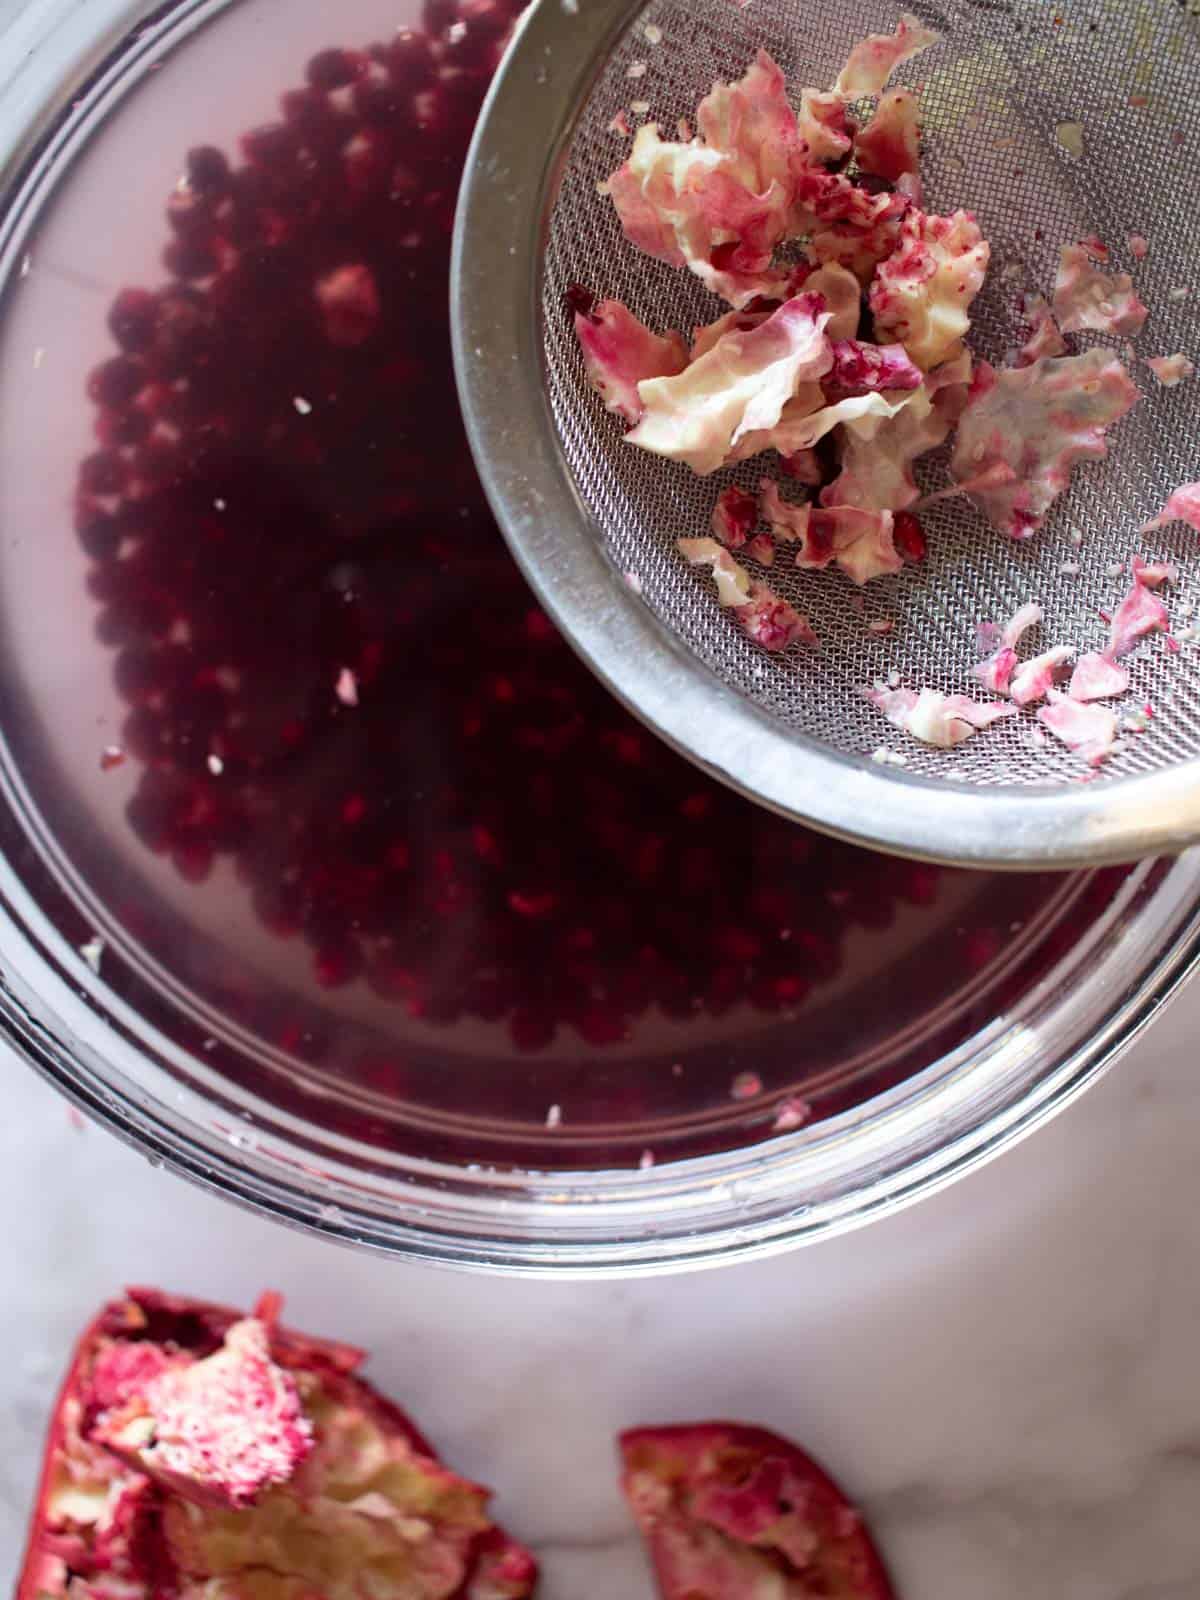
pixel 328 877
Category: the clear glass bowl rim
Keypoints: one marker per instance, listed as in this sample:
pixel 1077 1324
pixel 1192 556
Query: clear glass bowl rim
pixel 754 1201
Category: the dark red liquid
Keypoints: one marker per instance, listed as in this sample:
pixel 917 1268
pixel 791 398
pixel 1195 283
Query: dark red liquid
pixel 336 676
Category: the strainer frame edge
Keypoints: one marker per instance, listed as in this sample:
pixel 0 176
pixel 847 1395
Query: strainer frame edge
pixel 507 195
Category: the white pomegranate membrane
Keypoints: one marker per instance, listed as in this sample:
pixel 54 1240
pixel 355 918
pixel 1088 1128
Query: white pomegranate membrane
pixel 847 365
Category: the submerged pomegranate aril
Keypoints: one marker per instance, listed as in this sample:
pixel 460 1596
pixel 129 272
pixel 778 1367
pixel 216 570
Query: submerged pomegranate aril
pixel 207 170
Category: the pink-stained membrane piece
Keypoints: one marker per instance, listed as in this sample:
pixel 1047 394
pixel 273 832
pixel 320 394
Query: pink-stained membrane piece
pixel 731 578
pixel 999 646
pixel 1140 613
pixel 842 294
pixel 1039 421
pixel 1088 300
pixel 718 204
pixel 762 549
pixel 877 455
pixel 993 477
pixel 943 720
pixel 1096 677
pixel 860 369
pixel 1139 246
pixel 996 672
pixel 1170 370
pixel 1089 730
pixel 1183 506
pixel 1018 625
pixel 788 522
pixel 1154 573
pixel 734 517
pixel 889 145
pixel 1032 679
pixel 863 542
pixel 922 292
pixel 772 622
pixel 848 224
pixel 803 423
pixel 824 130
pixel 619 352
pixel 873 60
pixel 705 337
pixel 737 388
pixel 1044 338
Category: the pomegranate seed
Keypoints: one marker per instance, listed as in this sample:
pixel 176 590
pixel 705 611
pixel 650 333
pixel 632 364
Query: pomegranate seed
pixel 272 147
pixel 908 536
pixel 207 170
pixel 116 382
pixel 103 474
pixel 578 300
pixel 132 318
pixel 438 15
pixel 335 69
pixel 349 303
pixel 410 60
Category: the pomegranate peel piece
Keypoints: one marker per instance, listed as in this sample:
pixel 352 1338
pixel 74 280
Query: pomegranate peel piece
pixel 366 1505
pixel 732 1512
pixel 217 1431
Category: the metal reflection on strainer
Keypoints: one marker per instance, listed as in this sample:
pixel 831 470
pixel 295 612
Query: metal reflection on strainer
pixel 1051 125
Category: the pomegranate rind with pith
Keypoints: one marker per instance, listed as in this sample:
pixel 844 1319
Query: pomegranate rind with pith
pixel 366 1506
pixel 733 1512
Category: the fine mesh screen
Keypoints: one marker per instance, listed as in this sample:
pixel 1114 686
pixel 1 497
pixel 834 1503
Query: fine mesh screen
pixel 1007 73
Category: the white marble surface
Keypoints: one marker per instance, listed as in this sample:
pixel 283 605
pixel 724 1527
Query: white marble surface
pixel 1005 1375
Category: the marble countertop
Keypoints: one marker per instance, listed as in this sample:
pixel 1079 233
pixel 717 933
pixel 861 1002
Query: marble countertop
pixel 1004 1375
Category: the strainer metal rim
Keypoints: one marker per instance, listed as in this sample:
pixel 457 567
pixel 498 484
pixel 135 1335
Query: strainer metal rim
pixel 507 195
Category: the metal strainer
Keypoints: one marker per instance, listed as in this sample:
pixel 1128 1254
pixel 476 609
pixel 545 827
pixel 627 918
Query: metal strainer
pixel 583 510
